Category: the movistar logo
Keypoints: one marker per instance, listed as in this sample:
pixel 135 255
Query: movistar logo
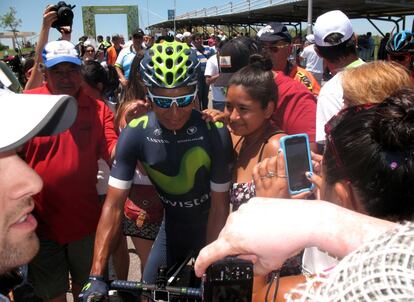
pixel 183 182
pixel 135 122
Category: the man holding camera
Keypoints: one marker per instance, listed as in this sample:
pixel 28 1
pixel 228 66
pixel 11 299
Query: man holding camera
pixel 68 207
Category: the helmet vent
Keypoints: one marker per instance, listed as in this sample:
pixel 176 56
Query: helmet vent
pixel 169 77
pixel 179 72
pixel 188 63
pixel 190 71
pixel 179 48
pixel 159 48
pixel 151 52
pixel 159 60
pixel 169 50
pixel 169 63
pixel 151 64
pixel 187 52
pixel 159 71
pixel 179 60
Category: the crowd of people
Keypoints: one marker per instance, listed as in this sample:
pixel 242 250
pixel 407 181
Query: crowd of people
pixel 121 138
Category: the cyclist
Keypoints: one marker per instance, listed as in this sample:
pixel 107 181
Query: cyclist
pixel 187 159
pixel 400 48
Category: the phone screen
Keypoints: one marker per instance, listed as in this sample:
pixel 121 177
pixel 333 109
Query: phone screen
pixel 297 158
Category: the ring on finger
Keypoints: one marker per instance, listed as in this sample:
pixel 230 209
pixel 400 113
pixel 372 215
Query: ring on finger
pixel 268 175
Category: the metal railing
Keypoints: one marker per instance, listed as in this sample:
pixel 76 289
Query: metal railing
pixel 232 8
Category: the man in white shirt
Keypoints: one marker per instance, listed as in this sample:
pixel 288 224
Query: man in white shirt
pixel 211 74
pixel 334 42
pixel 314 63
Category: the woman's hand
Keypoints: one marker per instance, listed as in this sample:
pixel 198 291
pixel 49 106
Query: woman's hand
pixel 136 109
pixel 213 115
pixel 270 178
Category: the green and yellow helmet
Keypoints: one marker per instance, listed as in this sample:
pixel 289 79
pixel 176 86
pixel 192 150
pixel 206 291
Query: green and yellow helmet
pixel 170 65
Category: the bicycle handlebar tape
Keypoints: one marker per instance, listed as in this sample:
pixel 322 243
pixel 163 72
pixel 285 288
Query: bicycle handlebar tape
pixel 148 288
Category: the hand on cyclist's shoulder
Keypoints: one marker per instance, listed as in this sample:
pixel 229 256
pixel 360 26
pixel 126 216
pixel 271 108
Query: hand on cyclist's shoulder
pixel 95 289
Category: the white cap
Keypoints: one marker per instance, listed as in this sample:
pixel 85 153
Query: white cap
pixel 23 116
pixel 179 36
pixel 186 34
pixel 310 38
pixel 332 22
pixel 56 52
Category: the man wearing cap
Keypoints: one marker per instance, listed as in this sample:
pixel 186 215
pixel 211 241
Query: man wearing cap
pixel 335 43
pixel 296 106
pixel 127 55
pixel 18 182
pixel 68 207
pixel 314 63
pixel 276 44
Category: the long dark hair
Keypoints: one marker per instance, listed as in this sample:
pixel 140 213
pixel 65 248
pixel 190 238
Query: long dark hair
pixel 376 150
pixel 135 88
pixel 257 79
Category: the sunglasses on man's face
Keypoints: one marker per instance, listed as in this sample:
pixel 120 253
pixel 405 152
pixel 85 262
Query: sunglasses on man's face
pixel 166 101
pixel 274 48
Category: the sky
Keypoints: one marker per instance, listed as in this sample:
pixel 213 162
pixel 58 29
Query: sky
pixel 150 12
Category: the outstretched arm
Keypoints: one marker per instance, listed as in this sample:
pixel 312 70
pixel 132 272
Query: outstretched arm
pixel 269 231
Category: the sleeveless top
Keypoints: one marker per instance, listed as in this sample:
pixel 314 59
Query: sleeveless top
pixel 241 192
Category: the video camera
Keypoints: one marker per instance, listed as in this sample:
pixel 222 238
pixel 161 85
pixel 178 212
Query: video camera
pixel 64 15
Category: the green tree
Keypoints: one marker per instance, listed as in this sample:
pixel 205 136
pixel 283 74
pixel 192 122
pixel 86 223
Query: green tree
pixel 11 22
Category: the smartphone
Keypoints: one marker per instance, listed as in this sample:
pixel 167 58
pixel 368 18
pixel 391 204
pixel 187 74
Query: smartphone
pixel 297 161
pixel 228 280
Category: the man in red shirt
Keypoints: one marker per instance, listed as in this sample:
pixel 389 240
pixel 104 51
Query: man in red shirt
pixel 68 207
pixel 276 44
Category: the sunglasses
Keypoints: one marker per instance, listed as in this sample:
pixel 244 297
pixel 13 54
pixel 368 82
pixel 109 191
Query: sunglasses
pixel 335 121
pixel 166 101
pixel 274 48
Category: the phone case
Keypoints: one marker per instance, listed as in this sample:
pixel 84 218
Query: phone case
pixel 283 147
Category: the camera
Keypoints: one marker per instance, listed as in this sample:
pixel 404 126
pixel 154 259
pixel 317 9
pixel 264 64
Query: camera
pixel 64 14
pixel 228 280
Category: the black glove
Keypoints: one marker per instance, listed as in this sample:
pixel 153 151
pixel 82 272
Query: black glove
pixel 95 289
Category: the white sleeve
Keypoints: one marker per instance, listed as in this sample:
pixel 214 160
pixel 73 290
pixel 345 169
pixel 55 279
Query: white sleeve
pixel 120 57
pixel 211 68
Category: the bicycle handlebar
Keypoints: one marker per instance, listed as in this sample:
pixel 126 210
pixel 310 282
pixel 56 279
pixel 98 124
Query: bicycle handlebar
pixel 188 292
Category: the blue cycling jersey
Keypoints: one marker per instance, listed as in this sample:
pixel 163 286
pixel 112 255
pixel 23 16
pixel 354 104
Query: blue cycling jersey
pixel 184 166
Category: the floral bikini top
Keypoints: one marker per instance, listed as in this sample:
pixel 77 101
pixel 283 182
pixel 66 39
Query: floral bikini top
pixel 242 192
